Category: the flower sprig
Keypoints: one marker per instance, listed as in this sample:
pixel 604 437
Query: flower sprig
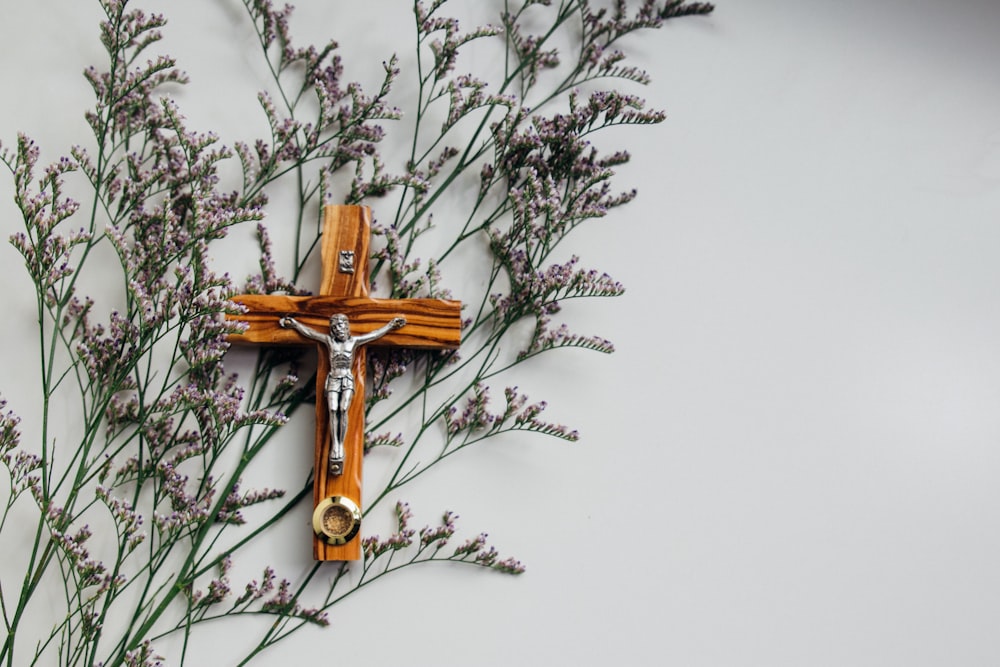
pixel 428 544
pixel 141 506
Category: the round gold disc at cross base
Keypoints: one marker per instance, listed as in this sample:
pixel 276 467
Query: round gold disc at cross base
pixel 337 519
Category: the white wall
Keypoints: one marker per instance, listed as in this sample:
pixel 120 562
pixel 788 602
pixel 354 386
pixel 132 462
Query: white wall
pixel 792 458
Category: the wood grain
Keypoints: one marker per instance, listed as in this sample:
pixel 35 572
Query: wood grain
pixel 344 228
pixel 430 323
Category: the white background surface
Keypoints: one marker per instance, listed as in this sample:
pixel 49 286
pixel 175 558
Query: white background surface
pixel 793 457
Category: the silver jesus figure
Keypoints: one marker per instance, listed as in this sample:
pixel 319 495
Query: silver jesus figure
pixel 340 345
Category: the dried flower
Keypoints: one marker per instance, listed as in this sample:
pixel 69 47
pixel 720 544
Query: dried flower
pixel 142 510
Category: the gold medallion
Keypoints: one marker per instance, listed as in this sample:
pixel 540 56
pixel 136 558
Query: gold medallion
pixel 337 520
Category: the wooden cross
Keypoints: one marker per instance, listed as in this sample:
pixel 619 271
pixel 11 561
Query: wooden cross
pixel 430 324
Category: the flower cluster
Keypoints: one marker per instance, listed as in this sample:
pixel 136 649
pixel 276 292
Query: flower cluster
pixel 46 251
pixel 235 501
pixel 285 603
pixel 19 463
pixel 268 281
pixel 143 656
pixel 383 440
pixel 529 49
pixel 345 129
pixel 374 547
pixel 429 547
pixel 86 571
pixel 446 47
pixel 476 551
pixel 518 415
pixel 217 589
pixel 438 536
pixel 128 523
pixel 267 596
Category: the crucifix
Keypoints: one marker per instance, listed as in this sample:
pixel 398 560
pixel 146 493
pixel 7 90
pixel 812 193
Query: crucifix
pixel 353 320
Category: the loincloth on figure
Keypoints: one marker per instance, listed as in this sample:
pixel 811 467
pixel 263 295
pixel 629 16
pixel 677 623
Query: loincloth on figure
pixel 338 384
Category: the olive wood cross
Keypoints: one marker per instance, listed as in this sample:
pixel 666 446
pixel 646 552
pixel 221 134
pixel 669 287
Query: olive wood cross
pixel 430 324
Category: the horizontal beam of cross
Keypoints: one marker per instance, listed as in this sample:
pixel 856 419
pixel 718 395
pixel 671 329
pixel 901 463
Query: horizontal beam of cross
pixel 430 323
